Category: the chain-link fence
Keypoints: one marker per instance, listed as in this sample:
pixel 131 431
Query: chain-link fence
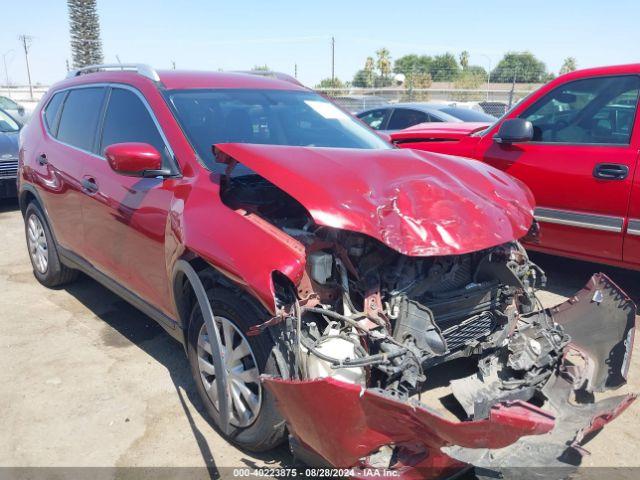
pixel 493 100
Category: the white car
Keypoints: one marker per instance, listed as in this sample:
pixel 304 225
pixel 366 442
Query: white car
pixel 17 111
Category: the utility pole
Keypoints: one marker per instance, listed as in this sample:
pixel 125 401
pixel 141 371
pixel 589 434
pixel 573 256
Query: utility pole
pixel 333 61
pixel 26 43
pixel 6 70
pixel 295 70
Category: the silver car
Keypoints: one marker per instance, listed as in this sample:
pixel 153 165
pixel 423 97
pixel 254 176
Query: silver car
pixel 17 111
pixel 390 118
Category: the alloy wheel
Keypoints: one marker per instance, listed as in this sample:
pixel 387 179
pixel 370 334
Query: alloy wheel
pixel 37 243
pixel 243 376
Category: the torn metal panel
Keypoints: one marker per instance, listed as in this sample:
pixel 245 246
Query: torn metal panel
pixel 417 203
pixel 600 319
pixel 344 423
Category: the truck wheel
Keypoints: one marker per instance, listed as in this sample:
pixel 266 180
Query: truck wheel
pixel 47 267
pixel 256 424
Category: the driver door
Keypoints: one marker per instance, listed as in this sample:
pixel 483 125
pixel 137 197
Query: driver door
pixel 580 164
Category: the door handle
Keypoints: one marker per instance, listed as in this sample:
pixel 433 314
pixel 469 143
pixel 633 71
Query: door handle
pixel 611 171
pixel 89 185
pixel 42 159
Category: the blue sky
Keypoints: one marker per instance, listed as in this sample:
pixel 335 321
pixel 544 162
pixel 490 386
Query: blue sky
pixel 236 35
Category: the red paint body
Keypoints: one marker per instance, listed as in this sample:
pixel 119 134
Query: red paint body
pixel 559 175
pixel 133 230
pixel 360 423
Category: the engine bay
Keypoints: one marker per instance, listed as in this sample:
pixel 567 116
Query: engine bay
pixel 368 315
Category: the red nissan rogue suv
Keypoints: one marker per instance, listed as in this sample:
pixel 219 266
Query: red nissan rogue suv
pixel 319 278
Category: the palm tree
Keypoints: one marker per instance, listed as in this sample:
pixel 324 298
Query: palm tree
pixel 369 68
pixel 464 60
pixel 384 62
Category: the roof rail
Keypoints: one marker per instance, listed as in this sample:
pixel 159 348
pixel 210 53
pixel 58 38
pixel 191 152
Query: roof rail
pixel 271 74
pixel 140 68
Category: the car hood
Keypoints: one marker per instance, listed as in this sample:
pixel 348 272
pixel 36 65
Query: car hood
pixel 8 146
pixel 417 203
pixel 438 130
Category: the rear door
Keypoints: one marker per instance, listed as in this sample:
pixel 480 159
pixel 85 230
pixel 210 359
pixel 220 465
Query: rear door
pixel 580 164
pixel 125 217
pixel 70 121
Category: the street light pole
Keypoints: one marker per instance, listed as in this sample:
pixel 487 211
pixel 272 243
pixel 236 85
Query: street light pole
pixel 6 70
pixel 333 61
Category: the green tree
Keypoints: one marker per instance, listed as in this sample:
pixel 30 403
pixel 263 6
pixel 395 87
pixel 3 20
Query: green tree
pixel 569 65
pixel 464 60
pixel 469 79
pixel 84 27
pixel 359 79
pixel 260 68
pixel 444 68
pixel 412 64
pixel 330 83
pixel 523 66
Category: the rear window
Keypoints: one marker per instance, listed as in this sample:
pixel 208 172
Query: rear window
pixel 79 118
pixel 51 111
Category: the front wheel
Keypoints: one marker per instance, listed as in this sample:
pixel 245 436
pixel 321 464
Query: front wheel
pixel 255 422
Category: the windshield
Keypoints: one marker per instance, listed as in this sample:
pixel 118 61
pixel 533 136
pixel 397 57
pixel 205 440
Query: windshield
pixel 468 115
pixel 273 117
pixel 7 124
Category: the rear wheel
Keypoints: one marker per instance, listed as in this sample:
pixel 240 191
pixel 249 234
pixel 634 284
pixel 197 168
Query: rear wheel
pixel 43 252
pixel 255 422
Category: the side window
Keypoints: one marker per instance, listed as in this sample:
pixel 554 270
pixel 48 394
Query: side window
pixel 79 118
pixel 374 118
pixel 598 110
pixel 404 118
pixel 128 120
pixel 51 111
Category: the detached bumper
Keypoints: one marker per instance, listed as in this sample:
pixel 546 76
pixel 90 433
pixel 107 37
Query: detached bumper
pixel 348 427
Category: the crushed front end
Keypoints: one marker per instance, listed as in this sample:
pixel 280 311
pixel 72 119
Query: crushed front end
pixel 425 364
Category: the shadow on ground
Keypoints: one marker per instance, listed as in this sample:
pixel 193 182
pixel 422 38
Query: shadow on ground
pixel 565 276
pixel 129 325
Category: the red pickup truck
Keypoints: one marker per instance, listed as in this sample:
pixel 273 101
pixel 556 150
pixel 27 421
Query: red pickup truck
pixel 575 143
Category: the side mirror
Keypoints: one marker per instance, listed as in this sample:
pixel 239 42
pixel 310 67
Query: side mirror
pixel 514 130
pixel 21 110
pixel 135 159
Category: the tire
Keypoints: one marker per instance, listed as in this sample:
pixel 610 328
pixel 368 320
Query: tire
pixel 267 429
pixel 43 252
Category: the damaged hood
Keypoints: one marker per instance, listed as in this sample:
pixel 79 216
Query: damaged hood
pixel 417 203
